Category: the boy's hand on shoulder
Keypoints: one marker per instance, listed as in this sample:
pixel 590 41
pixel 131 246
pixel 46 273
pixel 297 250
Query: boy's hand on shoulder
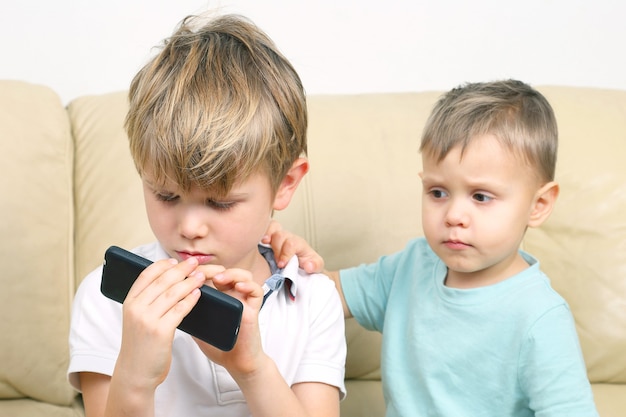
pixel 286 244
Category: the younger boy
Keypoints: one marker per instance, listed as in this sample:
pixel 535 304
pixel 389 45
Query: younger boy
pixel 217 128
pixel 471 326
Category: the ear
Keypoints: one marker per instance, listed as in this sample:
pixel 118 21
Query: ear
pixel 543 203
pixel 290 183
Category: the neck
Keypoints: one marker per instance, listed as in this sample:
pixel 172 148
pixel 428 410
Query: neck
pixel 485 277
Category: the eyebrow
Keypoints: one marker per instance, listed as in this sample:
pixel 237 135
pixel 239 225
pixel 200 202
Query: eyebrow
pixel 478 183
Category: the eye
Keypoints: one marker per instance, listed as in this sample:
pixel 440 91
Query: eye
pixel 220 205
pixel 165 197
pixel 482 198
pixel 438 193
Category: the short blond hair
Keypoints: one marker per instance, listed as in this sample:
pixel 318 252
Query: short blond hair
pixel 516 114
pixel 218 103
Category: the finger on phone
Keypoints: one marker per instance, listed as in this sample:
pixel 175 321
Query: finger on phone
pixel 210 271
pixel 160 276
pixel 228 279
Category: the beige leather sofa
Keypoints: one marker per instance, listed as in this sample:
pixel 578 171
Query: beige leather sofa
pixel 69 190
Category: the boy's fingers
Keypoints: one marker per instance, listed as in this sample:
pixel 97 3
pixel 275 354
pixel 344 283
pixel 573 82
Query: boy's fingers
pixel 160 276
pixel 227 279
pixel 239 280
pixel 210 271
pixel 313 265
pixel 148 275
pixel 166 306
pixel 283 251
pixel 172 296
pixel 184 299
pixel 308 259
pixel 277 242
pixel 273 227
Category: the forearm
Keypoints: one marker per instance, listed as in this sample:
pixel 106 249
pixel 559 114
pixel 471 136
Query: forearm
pixel 128 398
pixel 268 394
pixel 114 396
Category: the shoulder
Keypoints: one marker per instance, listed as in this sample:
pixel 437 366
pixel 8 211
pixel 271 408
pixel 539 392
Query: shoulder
pixel 534 285
pixel 415 251
pixel 545 313
pixel 90 285
pixel 314 285
pixel 416 256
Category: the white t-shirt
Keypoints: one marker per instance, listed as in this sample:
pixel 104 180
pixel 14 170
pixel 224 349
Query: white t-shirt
pixel 304 335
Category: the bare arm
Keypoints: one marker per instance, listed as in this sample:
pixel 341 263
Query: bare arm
pixel 102 398
pixel 267 394
pixel 95 389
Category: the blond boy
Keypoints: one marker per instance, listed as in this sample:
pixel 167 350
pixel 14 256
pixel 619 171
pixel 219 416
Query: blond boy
pixel 217 128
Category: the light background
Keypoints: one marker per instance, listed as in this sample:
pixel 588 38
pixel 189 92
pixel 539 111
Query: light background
pixel 80 47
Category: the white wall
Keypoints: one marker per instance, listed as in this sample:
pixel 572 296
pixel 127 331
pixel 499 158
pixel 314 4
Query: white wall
pixel 338 46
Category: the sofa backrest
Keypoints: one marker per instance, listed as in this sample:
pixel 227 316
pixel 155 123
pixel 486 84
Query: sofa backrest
pixel 71 190
pixel 36 243
pixel 107 190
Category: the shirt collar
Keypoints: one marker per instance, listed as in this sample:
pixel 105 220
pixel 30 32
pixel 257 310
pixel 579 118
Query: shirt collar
pixel 289 273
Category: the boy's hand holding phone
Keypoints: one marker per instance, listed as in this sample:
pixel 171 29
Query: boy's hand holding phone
pixel 169 293
pixel 247 354
pixel 156 303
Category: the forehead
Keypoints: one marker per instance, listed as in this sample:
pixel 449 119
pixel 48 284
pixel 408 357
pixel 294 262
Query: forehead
pixel 484 157
pixel 257 180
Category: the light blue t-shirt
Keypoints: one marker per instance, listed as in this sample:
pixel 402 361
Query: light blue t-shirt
pixel 508 349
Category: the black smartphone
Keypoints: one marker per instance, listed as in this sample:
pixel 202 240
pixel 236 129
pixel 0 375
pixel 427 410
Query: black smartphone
pixel 215 318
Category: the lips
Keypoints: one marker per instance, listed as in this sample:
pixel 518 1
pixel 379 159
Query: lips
pixel 201 257
pixel 455 245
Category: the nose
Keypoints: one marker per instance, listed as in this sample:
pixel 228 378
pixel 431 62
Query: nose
pixel 192 222
pixel 457 213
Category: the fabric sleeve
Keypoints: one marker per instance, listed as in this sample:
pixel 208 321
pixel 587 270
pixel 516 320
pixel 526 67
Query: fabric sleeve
pixel 552 368
pixel 325 353
pixel 364 294
pixel 367 288
pixel 95 330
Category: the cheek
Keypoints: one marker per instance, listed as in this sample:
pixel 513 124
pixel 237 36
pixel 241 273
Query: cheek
pixel 249 224
pixel 157 217
pixel 430 220
pixel 430 210
pixel 257 224
pixel 506 225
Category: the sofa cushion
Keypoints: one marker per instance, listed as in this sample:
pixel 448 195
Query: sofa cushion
pixel 36 158
pixel 29 408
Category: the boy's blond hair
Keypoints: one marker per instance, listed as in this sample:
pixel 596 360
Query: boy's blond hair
pixel 516 114
pixel 218 103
